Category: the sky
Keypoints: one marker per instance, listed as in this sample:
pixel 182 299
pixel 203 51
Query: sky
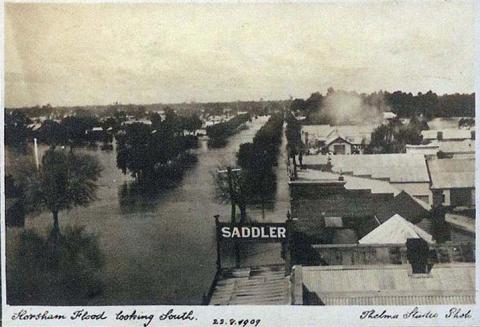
pixel 97 54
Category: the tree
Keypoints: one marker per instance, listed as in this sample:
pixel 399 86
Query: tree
pixel 234 185
pixel 64 180
pixel 192 123
pixel 76 128
pixel 133 151
pixel 16 128
pixel 294 139
pixel 52 133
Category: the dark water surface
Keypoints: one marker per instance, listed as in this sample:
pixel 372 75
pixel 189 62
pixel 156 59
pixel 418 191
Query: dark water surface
pixel 160 249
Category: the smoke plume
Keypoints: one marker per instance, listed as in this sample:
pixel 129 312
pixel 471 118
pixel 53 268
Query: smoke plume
pixel 349 108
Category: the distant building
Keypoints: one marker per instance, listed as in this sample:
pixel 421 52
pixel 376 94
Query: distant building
pixel 452 182
pixel 450 134
pixel 450 149
pixel 388 115
pixel 338 145
pixel 430 149
pixel 348 138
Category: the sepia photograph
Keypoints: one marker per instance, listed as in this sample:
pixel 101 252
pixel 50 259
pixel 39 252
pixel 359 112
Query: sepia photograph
pixel 229 154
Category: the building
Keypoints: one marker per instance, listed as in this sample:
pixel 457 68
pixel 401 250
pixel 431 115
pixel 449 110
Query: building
pixel 386 274
pixel 452 182
pixel 448 134
pixel 348 138
pixel 407 172
pixel 384 285
pixel 462 227
pixel 388 116
pixel 430 149
pixel 338 145
pixel 451 149
pixel 340 209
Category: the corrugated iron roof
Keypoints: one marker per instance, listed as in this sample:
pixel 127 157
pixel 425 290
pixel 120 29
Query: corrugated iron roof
pixel 391 284
pixel 452 173
pixel 427 299
pixel 249 286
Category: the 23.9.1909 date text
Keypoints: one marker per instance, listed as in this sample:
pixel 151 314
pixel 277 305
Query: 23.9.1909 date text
pixel 235 322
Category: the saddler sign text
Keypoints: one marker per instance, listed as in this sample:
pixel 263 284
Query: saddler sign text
pixel 252 232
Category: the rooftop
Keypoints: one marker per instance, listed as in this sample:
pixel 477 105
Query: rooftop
pixel 395 230
pixel 461 222
pixel 390 284
pixel 447 134
pixel 351 182
pixel 394 167
pixel 352 133
pixel 255 285
pixel 465 146
pixel 452 173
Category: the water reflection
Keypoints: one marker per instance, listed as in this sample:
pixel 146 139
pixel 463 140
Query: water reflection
pixel 65 272
pixel 134 196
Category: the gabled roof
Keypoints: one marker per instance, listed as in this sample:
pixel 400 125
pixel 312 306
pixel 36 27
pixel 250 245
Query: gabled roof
pixel 395 230
pixel 353 133
pixel 407 206
pixel 336 137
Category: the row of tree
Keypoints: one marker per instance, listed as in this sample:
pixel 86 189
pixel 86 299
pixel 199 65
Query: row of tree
pixel 254 181
pixel 219 133
pixel 71 130
pixel 78 130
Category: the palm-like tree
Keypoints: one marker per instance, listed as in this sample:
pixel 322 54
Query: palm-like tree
pixel 64 180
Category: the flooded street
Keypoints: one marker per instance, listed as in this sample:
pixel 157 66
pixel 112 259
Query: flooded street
pixel 160 249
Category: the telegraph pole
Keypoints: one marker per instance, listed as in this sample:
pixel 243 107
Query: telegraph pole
pixel 232 197
pixel 229 172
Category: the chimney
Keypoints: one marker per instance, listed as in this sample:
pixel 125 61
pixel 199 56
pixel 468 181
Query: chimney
pixel 472 134
pixel 439 135
pixel 328 166
pixel 417 255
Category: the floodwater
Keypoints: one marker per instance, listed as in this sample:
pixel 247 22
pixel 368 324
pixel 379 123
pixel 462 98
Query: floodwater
pixel 161 249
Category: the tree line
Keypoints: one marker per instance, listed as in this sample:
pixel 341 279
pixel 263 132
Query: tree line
pixel 405 105
pixel 219 133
